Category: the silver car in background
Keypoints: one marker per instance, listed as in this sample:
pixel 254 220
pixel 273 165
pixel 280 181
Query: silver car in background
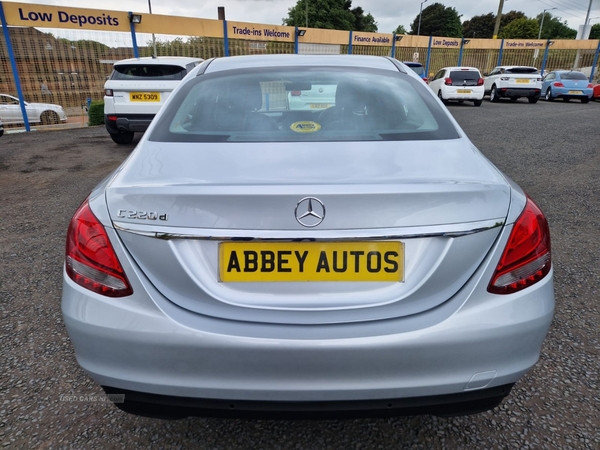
pixel 253 260
pixel 43 113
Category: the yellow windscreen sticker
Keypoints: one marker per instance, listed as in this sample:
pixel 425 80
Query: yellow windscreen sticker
pixel 305 127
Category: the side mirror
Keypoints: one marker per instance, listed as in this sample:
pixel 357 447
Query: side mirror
pixel 486 74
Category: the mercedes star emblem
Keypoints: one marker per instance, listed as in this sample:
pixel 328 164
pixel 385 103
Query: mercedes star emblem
pixel 310 212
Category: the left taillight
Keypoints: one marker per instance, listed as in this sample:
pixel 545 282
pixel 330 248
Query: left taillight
pixel 526 258
pixel 91 260
pixel 108 92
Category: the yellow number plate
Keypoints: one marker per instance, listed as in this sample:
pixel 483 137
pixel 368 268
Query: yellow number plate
pixel 463 91
pixel 319 105
pixel 523 80
pixel 144 96
pixel 575 92
pixel 311 261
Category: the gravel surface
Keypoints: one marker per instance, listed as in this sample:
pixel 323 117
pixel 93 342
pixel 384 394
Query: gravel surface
pixel 551 149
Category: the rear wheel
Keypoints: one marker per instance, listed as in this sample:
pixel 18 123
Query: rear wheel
pixel 494 95
pixel 444 101
pixel 585 100
pixel 123 137
pixel 49 118
pixel 477 102
pixel 548 95
pixel 1 132
pixel 533 99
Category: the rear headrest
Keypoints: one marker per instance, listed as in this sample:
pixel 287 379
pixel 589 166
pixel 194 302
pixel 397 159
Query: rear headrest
pixel 351 96
pixel 243 96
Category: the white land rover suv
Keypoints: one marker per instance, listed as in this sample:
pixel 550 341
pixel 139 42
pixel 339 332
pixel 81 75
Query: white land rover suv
pixel 137 88
pixel 513 82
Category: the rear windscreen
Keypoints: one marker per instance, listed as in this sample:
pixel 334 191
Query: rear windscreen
pixel 522 70
pixel 573 76
pixel 418 70
pixel 303 104
pixel 462 76
pixel 148 72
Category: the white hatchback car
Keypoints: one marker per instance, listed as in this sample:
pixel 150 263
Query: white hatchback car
pixel 137 88
pixel 458 83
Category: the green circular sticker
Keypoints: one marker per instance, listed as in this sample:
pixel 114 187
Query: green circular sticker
pixel 305 126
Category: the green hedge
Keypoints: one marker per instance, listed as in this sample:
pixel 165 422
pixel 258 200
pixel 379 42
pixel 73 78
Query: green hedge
pixel 96 113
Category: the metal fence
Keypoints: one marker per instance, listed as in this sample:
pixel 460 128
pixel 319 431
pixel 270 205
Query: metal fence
pixel 62 55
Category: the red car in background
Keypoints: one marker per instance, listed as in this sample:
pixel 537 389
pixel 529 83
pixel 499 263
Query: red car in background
pixel 596 94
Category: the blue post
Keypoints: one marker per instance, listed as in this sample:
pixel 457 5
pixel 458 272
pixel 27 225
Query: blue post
pixel 296 41
pixel 136 53
pixel 394 45
pixel 13 63
pixel 460 53
pixel 548 42
pixel 225 38
pixel 595 62
pixel 428 57
pixel 499 63
pixel 350 43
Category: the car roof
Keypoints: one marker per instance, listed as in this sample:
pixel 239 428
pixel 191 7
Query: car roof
pixel 567 71
pixel 460 68
pixel 517 67
pixel 150 60
pixel 292 60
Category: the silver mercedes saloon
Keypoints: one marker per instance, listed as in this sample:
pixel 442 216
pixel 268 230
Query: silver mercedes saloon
pixel 349 253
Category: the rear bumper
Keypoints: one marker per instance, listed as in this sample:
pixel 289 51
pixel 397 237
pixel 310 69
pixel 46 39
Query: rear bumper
pixel 129 122
pixel 519 92
pixel 451 94
pixel 165 406
pixel 564 92
pixel 130 344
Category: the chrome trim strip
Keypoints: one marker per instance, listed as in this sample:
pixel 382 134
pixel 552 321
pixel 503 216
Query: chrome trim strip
pixel 455 230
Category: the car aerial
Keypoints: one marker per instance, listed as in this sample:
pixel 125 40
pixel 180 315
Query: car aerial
pixel 459 84
pixel 417 68
pixel 361 259
pixel 137 88
pixel 44 113
pixel 567 84
pixel 513 82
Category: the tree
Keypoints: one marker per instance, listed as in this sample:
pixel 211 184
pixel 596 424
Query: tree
pixel 329 14
pixel 438 20
pixel 510 16
pixel 479 26
pixel 400 30
pixel 520 29
pixel 362 22
pixel 595 31
pixel 555 29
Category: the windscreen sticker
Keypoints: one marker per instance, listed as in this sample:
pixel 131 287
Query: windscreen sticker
pixel 305 127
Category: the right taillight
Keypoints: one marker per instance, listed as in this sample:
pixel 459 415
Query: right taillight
pixel 91 260
pixel 526 257
pixel 480 82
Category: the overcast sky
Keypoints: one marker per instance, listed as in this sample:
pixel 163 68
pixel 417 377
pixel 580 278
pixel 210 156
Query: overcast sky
pixel 388 13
